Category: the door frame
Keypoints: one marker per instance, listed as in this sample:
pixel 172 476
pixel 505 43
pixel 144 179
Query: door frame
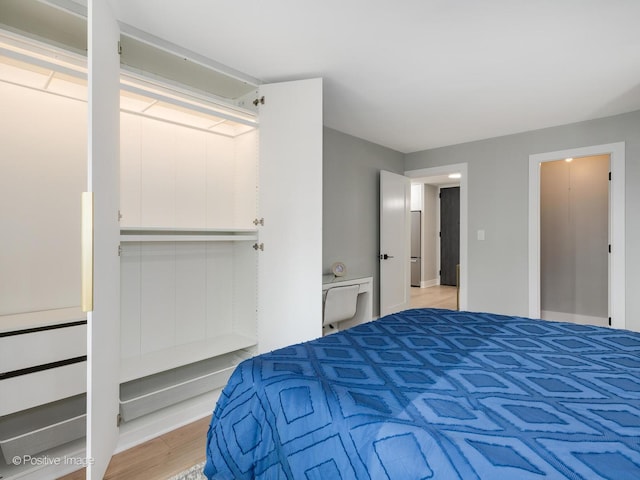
pixel 461 168
pixel 616 151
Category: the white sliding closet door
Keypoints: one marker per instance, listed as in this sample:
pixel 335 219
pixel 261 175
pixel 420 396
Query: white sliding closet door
pixel 104 321
pixel 290 201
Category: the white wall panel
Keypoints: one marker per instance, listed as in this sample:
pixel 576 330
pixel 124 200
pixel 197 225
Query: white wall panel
pixel 246 179
pixel 130 300
pixel 190 178
pixel 130 164
pixel 219 288
pixel 220 159
pixel 158 296
pixel 40 185
pixel 191 292
pixel 157 185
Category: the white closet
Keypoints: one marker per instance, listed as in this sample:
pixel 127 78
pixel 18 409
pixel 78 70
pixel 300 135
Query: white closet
pixel 219 254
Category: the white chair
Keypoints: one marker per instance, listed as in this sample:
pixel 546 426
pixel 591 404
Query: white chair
pixel 339 304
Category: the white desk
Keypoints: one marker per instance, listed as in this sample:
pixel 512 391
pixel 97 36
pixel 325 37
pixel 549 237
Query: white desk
pixel 364 308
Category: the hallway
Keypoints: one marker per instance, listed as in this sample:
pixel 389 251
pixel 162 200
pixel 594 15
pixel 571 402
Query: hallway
pixel 439 296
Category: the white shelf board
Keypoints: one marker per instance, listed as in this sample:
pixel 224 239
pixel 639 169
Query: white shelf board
pixel 187 238
pixel 201 231
pixel 166 234
pixel 43 318
pixel 179 355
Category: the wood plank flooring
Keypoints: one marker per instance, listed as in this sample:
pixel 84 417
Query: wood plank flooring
pixel 439 296
pixel 169 454
pixel 159 458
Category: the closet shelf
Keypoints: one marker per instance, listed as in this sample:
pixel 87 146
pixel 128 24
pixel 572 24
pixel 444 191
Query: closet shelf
pixel 165 234
pixel 180 355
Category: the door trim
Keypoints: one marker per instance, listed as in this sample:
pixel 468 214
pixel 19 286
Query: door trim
pixel 461 168
pixel 616 225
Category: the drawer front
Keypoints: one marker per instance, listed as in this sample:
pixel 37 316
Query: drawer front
pixel 39 348
pixel 33 389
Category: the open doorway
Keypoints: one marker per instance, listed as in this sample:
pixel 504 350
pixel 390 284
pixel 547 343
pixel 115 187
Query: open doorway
pixel 616 226
pixel 574 239
pixel 435 241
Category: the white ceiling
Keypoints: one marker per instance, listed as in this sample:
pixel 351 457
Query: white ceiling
pixel 418 74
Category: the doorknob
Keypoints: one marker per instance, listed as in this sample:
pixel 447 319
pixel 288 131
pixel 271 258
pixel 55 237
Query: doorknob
pixel 385 256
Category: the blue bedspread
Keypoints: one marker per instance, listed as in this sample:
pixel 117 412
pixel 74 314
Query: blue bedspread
pixel 436 394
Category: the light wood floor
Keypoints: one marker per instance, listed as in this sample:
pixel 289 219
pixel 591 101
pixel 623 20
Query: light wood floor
pixel 439 296
pixel 178 450
pixel 159 458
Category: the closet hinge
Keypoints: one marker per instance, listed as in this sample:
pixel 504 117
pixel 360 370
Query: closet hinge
pixel 118 420
pixel 259 101
pixel 119 250
pixel 119 48
pixel 257 222
pixel 119 216
pixel 258 246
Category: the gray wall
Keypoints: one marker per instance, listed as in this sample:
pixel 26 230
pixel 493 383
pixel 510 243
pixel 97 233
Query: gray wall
pixel 574 234
pixel 351 189
pixel 498 203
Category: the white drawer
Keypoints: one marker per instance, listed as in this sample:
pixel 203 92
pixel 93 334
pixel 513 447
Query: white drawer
pixel 27 391
pixel 39 348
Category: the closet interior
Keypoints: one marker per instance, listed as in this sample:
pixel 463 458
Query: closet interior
pixel 188 250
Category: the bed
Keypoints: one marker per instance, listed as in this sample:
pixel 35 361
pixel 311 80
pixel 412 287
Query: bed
pixel 437 394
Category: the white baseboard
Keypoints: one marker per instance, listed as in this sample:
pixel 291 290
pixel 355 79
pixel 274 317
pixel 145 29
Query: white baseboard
pixel 429 283
pixel 574 318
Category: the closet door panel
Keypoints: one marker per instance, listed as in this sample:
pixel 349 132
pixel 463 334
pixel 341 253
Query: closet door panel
pixel 190 157
pixel 104 181
pixel 191 292
pixel 291 204
pixel 158 296
pixel 220 187
pixel 130 165
pixel 158 176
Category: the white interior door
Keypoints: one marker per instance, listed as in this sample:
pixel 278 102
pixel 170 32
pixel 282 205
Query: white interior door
pixel 103 352
pixel 395 237
pixel 290 201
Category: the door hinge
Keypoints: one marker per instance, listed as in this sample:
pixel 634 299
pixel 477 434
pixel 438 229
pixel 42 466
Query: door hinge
pixel 119 250
pixel 609 176
pixel 118 420
pixel 609 248
pixel 258 246
pixel 257 222
pixel 119 216
pixel 609 321
pixel 119 48
pixel 259 101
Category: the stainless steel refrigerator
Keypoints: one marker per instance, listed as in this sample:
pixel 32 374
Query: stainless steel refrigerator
pixel 416 263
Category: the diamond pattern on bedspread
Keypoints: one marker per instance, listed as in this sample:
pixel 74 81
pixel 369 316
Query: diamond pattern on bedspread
pixel 436 394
